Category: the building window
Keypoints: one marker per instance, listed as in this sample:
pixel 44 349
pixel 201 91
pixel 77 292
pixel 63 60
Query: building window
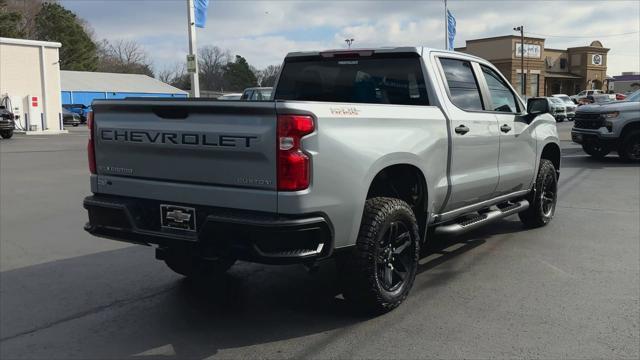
pixel 534 85
pixel 563 63
pixel 519 84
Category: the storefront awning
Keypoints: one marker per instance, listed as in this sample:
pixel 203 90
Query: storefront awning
pixel 561 75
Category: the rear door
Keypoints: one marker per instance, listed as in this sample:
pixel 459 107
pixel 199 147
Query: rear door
pixel 517 145
pixel 475 136
pixel 187 145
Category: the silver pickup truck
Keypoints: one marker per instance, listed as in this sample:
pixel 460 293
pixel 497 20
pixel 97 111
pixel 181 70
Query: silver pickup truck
pixel 362 155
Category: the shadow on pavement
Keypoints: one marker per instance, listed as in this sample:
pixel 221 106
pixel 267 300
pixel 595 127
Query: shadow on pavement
pixel 123 302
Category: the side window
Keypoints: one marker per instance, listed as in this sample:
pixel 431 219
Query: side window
pixel 463 86
pixel 501 96
pixel 245 95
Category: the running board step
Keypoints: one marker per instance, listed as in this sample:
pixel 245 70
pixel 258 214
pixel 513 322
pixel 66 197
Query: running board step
pixel 480 220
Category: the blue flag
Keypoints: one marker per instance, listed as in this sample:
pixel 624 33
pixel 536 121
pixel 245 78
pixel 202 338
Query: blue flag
pixel 200 8
pixel 451 29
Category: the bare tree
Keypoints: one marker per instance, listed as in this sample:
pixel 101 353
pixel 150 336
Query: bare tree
pixel 28 10
pixel 212 61
pixel 175 75
pixel 123 56
pixel 269 75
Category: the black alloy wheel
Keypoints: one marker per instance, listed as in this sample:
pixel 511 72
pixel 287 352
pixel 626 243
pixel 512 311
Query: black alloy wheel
pixel 543 198
pixel 378 273
pixel 393 261
pixel 630 149
pixel 548 195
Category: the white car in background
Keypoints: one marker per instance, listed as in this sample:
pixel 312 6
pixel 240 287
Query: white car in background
pixel 569 105
pixel 583 95
pixel 231 96
pixel 557 108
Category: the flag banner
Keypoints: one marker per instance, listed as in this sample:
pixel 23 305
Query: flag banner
pixel 451 29
pixel 200 9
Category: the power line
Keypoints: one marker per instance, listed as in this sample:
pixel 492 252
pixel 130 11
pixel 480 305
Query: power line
pixel 584 36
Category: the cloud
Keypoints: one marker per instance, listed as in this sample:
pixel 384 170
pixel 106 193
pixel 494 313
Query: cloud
pixel 264 31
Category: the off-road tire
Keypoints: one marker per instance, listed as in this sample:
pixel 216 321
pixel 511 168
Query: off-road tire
pixel 6 134
pixel 191 266
pixel 360 268
pixel 629 146
pixel 596 151
pixel 537 214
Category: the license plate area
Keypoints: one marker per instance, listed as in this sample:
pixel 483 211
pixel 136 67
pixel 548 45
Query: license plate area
pixel 178 217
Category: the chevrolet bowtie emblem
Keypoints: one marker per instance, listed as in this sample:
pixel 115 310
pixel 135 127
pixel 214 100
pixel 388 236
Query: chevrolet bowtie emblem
pixel 178 216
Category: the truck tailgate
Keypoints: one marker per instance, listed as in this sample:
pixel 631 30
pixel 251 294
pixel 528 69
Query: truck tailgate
pixel 183 143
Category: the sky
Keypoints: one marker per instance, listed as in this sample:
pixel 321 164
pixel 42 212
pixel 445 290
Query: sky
pixel 265 31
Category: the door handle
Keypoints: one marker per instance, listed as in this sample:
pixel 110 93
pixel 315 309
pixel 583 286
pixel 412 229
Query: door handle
pixel 505 128
pixel 462 130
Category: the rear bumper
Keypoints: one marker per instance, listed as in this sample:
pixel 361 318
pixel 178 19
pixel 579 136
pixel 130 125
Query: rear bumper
pixel 247 235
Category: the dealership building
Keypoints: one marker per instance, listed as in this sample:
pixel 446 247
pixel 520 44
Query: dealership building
pixel 546 71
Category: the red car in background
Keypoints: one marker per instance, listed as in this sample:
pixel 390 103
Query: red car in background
pixel 620 96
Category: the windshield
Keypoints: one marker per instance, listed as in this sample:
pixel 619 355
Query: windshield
pixel 635 96
pixel 556 100
pixel 566 99
pixel 374 80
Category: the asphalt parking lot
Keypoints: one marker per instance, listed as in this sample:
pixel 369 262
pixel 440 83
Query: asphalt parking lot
pixel 569 290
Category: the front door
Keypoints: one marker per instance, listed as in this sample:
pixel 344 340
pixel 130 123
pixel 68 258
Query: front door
pixel 517 145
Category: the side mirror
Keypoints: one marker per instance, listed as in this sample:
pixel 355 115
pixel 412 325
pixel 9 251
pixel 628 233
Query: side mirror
pixel 537 106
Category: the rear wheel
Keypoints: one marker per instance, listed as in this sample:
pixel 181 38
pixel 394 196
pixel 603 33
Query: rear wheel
pixel 379 272
pixel 6 134
pixel 192 266
pixel 543 198
pixel 596 150
pixel 630 147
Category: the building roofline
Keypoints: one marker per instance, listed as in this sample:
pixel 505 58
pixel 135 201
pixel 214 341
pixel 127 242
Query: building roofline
pixel 589 48
pixel 503 37
pixel 12 41
pixel 551 49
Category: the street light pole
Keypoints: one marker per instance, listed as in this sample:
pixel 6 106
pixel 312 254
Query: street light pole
pixel 195 82
pixel 523 83
pixel 349 42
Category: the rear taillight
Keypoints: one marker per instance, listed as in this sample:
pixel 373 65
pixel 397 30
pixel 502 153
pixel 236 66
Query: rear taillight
pixel 91 149
pixel 293 164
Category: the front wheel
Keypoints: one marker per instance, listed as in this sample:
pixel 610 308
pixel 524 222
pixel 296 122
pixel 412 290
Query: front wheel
pixel 596 150
pixel 543 198
pixel 6 134
pixel 630 148
pixel 379 271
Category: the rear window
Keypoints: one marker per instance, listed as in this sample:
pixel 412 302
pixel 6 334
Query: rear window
pixel 371 80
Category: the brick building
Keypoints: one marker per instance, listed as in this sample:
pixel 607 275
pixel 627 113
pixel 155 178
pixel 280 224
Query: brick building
pixel 547 71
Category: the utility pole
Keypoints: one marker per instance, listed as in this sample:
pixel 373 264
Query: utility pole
pixel 192 57
pixel 523 81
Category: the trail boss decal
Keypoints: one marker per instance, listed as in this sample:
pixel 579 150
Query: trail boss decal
pixel 174 138
pixel 345 111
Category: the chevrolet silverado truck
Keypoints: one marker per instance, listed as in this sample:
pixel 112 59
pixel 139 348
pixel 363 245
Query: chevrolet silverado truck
pixel 361 156
pixel 612 126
